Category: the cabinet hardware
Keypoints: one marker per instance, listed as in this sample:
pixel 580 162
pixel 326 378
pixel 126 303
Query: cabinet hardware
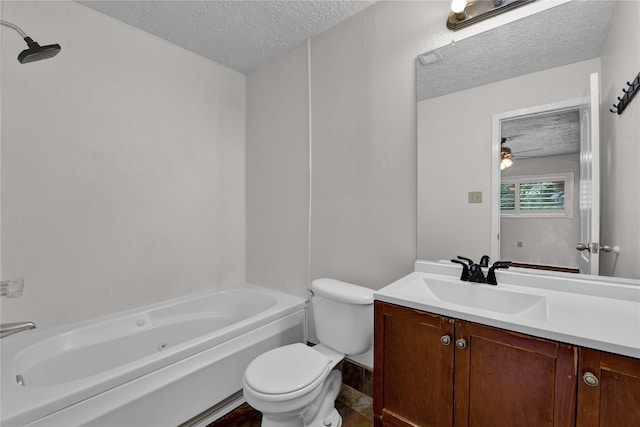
pixel 445 339
pixel 590 379
pixel 461 343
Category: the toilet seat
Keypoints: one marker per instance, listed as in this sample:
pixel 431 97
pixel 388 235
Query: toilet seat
pixel 287 372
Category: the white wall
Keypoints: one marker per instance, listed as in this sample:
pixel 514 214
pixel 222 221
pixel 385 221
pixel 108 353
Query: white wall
pixel 122 167
pixel 544 240
pixel 355 114
pixel 278 174
pixel 447 224
pixel 363 147
pixel 620 222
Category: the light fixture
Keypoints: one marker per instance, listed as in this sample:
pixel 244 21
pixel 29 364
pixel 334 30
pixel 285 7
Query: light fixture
pixel 506 158
pixel 465 13
pixel 35 52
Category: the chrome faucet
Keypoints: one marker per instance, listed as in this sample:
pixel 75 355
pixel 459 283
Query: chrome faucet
pixel 7 329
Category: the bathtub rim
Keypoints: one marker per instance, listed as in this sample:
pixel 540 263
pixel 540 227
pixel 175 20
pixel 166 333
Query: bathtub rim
pixel 81 335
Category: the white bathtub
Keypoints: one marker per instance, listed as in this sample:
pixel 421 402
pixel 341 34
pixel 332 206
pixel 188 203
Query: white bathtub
pixel 157 365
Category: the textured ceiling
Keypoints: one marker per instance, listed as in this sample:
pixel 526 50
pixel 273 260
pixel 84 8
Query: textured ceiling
pixel 541 135
pixel 572 32
pixel 243 35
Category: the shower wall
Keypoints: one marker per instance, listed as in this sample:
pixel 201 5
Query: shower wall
pixel 122 167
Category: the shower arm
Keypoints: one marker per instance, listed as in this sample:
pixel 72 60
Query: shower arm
pixel 15 27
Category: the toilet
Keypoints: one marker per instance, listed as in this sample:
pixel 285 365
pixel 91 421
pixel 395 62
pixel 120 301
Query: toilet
pixel 296 385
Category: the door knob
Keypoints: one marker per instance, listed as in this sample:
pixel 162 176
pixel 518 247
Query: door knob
pixel 589 247
pixel 582 247
pixel 445 340
pixel 461 343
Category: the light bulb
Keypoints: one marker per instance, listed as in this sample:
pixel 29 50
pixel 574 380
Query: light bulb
pixel 458 6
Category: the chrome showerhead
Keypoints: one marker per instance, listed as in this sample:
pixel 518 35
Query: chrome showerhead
pixel 37 52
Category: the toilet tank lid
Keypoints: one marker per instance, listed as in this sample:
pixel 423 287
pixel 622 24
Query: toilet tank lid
pixel 342 291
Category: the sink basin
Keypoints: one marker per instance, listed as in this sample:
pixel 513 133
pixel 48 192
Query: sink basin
pixel 479 296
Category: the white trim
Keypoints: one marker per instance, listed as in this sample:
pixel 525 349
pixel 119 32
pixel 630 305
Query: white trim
pixel 307 320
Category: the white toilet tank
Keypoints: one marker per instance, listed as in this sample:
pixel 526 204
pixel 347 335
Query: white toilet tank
pixel 343 315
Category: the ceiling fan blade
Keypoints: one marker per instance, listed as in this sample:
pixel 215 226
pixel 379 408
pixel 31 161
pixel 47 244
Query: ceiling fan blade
pixel 526 151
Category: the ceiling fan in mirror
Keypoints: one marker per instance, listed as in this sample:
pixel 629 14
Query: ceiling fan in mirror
pixel 507 156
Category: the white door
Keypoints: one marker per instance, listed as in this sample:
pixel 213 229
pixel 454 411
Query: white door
pixel 589 246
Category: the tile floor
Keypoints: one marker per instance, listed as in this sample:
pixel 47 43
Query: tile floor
pixel 355 408
pixel 246 416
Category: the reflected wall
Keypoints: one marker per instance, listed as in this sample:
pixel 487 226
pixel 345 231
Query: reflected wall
pixel 454 155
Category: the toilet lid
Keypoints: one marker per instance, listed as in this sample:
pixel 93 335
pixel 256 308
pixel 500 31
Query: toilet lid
pixel 285 369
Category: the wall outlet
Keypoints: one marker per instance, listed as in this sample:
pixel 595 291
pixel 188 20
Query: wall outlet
pixel 475 196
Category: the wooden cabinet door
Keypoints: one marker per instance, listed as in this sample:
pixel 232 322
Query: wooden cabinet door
pixel 508 379
pixel 413 369
pixel 615 400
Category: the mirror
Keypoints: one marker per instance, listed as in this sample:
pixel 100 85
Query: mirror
pixel 541 59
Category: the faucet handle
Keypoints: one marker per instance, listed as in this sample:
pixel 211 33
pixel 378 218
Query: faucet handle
pixel 502 264
pixel 491 276
pixel 465 270
pixel 469 261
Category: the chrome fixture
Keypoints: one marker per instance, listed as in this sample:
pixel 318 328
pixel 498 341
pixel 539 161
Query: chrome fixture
pixel 7 329
pixel 12 288
pixel 465 13
pixel 595 247
pixel 35 52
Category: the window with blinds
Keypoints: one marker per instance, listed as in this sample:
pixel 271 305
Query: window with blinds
pixel 549 195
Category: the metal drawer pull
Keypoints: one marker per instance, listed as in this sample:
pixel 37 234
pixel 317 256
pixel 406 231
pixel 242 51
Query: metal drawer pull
pixel 461 343
pixel 445 340
pixel 590 379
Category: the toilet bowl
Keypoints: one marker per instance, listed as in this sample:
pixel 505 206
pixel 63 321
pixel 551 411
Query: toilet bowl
pixel 297 385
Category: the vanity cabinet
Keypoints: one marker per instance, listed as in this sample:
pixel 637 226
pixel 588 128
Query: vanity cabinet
pixel 433 371
pixel 413 369
pixel 608 390
pixel 504 378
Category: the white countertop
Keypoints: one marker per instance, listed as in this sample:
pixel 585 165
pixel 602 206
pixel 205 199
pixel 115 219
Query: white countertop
pixel 589 311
